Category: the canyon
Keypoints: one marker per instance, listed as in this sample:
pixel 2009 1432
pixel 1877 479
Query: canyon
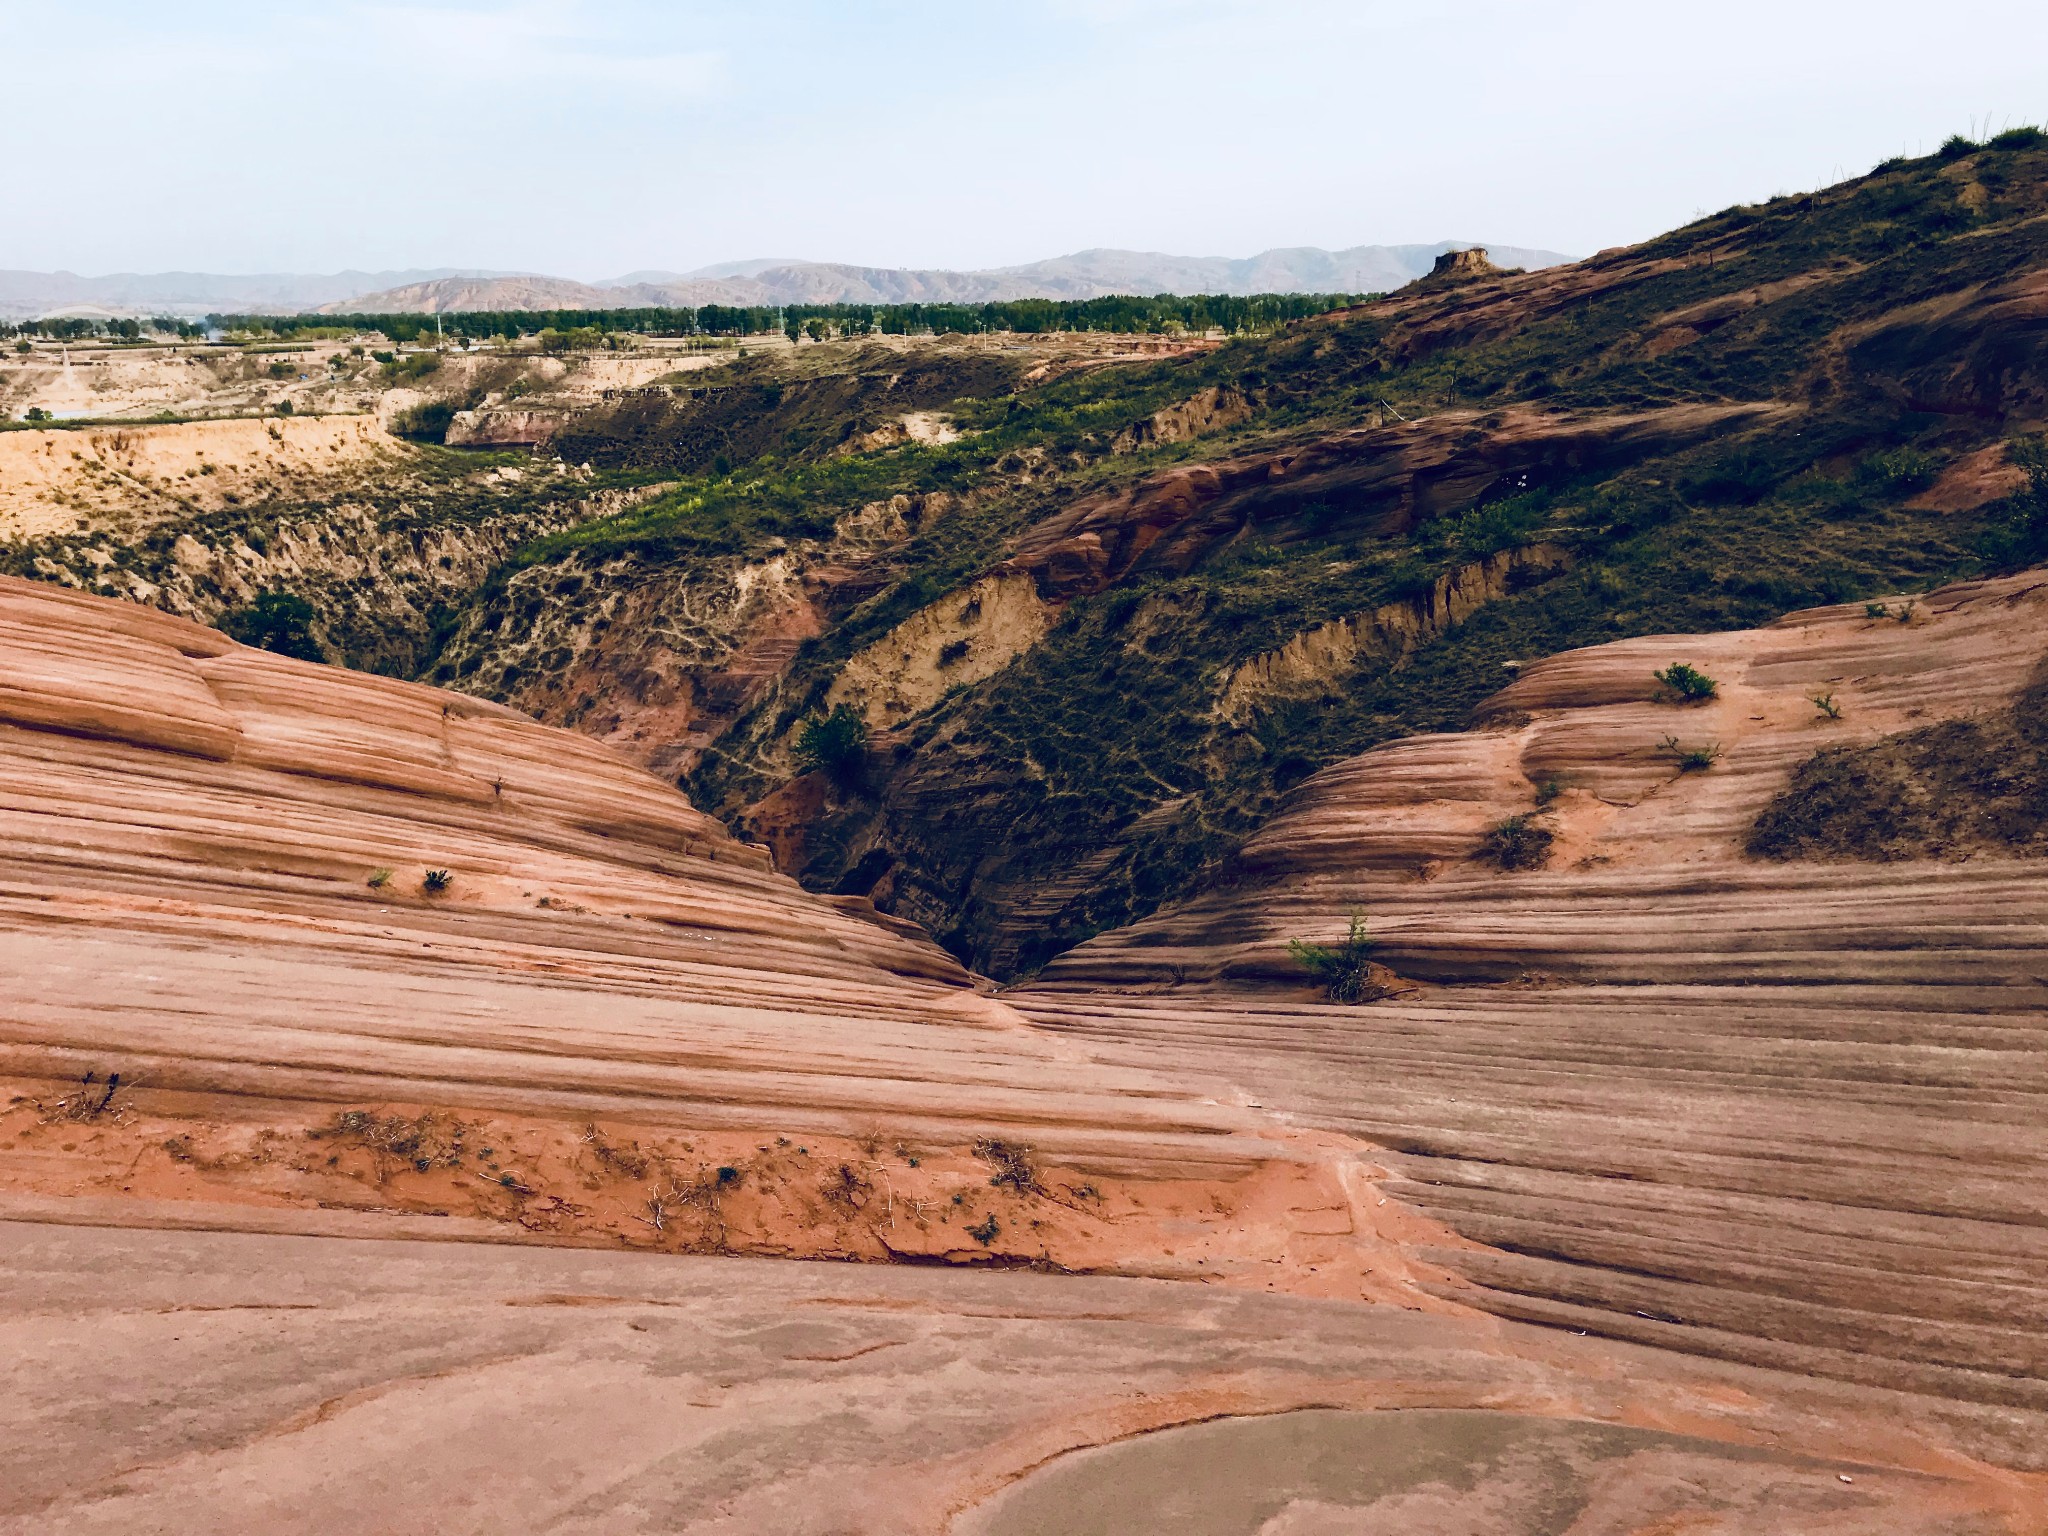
pixel 1430 919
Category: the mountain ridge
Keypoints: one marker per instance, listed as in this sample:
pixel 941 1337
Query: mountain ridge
pixel 1086 274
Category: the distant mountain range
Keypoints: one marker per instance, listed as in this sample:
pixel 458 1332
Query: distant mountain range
pixel 1083 275
pixel 26 295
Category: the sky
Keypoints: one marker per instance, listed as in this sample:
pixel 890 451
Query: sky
pixel 587 139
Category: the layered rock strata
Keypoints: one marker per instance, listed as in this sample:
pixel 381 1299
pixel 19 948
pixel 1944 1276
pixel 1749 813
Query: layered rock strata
pixel 1792 1113
pixel 282 942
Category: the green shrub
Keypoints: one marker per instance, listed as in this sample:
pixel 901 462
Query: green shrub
pixel 425 423
pixel 2026 136
pixel 435 881
pixel 953 651
pixel 1955 147
pixel 1344 972
pixel 836 744
pixel 408 370
pixel 1740 477
pixel 2020 536
pixel 1690 684
pixel 1692 759
pixel 1519 842
pixel 1498 525
pixel 1901 469
pixel 276 621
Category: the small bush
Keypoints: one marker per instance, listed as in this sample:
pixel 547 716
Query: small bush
pixel 1955 147
pixel 986 1232
pixel 2025 136
pixel 1344 972
pixel 1877 610
pixel 836 744
pixel 1690 684
pixel 2020 536
pixel 427 423
pixel 379 878
pixel 1548 788
pixel 35 413
pixel 1825 703
pixel 277 621
pixel 1012 1164
pixel 953 651
pixel 435 881
pixel 408 370
pixel 1899 470
pixel 1519 842
pixel 1692 759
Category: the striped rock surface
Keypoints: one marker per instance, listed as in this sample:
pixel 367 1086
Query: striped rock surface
pixel 1790 1113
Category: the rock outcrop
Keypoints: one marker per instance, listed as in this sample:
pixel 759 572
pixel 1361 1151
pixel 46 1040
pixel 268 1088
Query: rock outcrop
pixel 291 955
pixel 1787 1112
pixel 283 939
pixel 1382 480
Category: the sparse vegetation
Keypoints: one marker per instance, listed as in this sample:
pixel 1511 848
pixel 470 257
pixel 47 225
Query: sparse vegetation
pixel 1518 842
pixel 1691 685
pixel 1692 759
pixel 1345 972
pixel 1011 1162
pixel 435 881
pixel 985 1232
pixel 379 878
pixel 1826 705
pixel 1098 762
pixel 1941 791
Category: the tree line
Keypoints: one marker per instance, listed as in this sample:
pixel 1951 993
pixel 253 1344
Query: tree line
pixel 78 329
pixel 1126 314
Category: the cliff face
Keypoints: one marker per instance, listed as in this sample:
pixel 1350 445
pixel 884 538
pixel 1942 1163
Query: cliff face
pixel 1784 1111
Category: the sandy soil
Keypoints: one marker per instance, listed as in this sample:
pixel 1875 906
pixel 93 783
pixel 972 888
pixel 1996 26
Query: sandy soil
pixel 57 480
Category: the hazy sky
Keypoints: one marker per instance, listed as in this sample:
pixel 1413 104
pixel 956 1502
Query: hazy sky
pixel 589 137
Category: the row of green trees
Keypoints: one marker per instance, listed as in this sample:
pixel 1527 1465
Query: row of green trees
pixel 1128 314
pixel 77 329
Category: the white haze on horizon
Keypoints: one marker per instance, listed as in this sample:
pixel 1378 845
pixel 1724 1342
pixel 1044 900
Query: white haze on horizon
pixel 587 140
